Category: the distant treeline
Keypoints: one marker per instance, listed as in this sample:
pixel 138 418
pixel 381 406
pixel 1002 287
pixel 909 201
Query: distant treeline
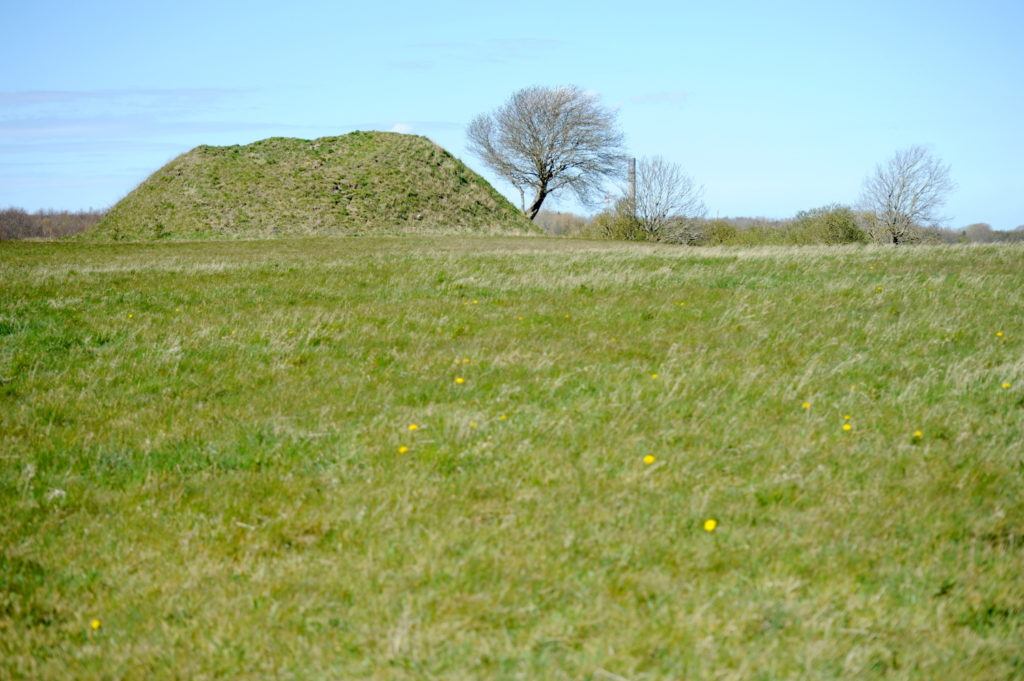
pixel 834 224
pixel 16 223
pixel 829 224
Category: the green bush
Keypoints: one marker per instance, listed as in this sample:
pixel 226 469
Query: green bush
pixel 832 224
pixel 718 233
pixel 616 223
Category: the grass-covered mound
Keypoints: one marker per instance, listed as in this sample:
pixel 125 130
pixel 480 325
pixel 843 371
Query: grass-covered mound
pixel 363 182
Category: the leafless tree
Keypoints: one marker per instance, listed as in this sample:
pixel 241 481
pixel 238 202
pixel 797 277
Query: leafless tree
pixel 905 194
pixel 543 140
pixel 667 199
pixel 980 233
pixel 15 223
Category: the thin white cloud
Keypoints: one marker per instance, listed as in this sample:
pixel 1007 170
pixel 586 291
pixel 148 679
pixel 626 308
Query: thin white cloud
pixel 411 64
pixel 669 98
pixel 494 51
pixel 114 127
pixel 141 96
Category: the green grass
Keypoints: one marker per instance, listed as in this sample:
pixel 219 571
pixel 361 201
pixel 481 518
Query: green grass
pixel 199 447
pixel 360 183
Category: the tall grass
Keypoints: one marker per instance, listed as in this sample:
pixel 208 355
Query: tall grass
pixel 209 467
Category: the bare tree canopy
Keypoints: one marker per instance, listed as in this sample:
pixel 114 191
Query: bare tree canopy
pixel 906 193
pixel 543 140
pixel 666 197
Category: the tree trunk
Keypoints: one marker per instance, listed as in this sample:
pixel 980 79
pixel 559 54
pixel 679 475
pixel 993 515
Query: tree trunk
pixel 537 201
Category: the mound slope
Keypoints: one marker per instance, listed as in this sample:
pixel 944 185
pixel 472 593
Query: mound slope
pixel 363 182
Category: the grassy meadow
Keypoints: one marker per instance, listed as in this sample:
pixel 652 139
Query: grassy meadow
pixel 495 458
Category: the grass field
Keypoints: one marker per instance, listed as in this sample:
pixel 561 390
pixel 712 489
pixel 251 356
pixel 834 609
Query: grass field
pixel 495 458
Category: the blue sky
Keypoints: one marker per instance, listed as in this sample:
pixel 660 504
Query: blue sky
pixel 774 107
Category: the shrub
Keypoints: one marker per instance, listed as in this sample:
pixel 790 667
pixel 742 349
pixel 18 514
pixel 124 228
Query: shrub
pixel 718 233
pixel 832 224
pixel 618 224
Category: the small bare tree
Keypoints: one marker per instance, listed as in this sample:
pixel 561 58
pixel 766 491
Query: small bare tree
pixel 667 200
pixel 543 140
pixel 905 194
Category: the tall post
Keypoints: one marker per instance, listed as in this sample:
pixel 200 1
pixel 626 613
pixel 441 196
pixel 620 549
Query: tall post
pixel 632 179
pixel 632 186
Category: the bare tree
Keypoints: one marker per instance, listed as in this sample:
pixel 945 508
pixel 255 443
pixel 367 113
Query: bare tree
pixel 15 223
pixel 667 199
pixel 906 193
pixel 980 233
pixel 543 140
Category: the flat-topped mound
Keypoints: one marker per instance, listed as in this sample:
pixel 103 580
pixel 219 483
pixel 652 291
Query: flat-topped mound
pixel 363 182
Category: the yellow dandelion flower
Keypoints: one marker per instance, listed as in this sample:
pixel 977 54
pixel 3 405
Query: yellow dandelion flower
pixel 503 417
pixel 918 433
pixel 95 624
pixel 649 459
pixel 465 360
pixel 291 332
pixel 472 424
pixel 710 524
pixel 567 316
pixel 853 387
pixel 999 334
pixel 847 417
pixel 403 449
pixel 681 303
pixel 460 380
pixel 806 405
pixel 879 289
pixel 1006 384
pixel 476 302
pixel 130 315
pixel 654 375
pixel 847 427
pixel 413 426
pixel 177 309
pixel 519 318
pixel 614 339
